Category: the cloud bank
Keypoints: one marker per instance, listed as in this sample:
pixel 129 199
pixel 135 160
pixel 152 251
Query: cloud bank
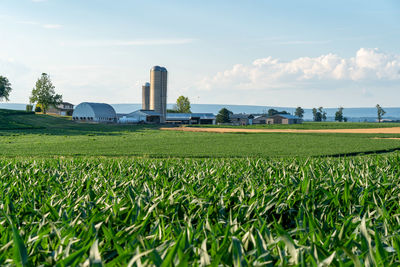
pixel 366 66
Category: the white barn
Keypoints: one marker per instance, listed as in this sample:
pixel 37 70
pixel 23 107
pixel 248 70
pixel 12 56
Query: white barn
pixel 96 112
pixel 141 116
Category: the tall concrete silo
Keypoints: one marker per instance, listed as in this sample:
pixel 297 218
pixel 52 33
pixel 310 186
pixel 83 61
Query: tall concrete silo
pixel 146 96
pixel 158 91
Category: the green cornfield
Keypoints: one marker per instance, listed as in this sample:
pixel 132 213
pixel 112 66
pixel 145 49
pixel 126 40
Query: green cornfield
pixel 200 212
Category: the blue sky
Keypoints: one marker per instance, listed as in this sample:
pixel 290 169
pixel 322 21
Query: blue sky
pixel 280 53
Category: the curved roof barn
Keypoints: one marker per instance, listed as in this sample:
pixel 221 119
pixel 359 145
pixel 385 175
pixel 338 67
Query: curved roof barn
pixel 99 112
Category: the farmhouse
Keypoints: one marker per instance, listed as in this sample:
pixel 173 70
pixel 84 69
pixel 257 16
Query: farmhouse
pixel 64 109
pixel 283 119
pixel 260 119
pixel 96 112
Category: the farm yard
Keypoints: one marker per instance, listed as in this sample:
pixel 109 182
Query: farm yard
pixel 116 195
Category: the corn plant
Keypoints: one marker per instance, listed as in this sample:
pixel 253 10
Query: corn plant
pixel 200 212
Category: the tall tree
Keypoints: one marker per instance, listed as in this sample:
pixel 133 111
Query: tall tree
pixel 44 93
pixel 183 105
pixel 317 115
pixel 299 112
pixel 5 88
pixel 380 112
pixel 223 116
pixel 323 113
pixel 339 115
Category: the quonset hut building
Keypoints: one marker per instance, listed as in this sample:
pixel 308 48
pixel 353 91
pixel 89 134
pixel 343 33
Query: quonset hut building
pixel 96 112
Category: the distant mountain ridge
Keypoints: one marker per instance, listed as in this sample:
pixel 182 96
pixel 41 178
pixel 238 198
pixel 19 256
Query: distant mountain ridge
pixel 353 114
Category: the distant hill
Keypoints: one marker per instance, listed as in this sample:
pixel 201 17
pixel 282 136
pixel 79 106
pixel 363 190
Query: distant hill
pixel 14 106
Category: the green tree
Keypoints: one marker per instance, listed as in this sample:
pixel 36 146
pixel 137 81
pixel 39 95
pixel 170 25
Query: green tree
pixel 317 115
pixel 44 93
pixel 29 107
pixel 223 116
pixel 299 112
pixel 5 88
pixel 339 115
pixel 323 113
pixel 380 112
pixel 272 112
pixel 182 105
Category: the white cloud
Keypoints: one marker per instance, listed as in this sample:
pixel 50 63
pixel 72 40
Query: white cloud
pixel 52 26
pixel 139 42
pixel 264 73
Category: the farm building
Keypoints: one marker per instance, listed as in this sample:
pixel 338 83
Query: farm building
pixel 96 112
pixel 150 116
pixel 141 116
pixel 241 119
pixel 260 119
pixel 64 109
pixel 190 118
pixel 283 119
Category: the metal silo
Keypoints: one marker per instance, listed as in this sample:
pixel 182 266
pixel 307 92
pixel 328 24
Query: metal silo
pixel 146 96
pixel 158 91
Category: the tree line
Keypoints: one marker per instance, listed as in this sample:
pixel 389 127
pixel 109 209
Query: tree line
pixel 319 114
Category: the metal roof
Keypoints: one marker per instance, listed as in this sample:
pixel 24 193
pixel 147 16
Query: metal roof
pixel 144 113
pixel 189 116
pixel 67 103
pixel 99 109
pixel 286 116
pixel 261 116
pixel 158 68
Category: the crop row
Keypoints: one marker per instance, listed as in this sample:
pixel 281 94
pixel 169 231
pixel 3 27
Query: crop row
pixel 341 212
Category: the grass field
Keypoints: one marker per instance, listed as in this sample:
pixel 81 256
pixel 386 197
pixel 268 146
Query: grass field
pixel 52 136
pixel 314 212
pixel 309 125
pixel 155 143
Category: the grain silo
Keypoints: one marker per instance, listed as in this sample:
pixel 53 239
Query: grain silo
pixel 146 96
pixel 158 91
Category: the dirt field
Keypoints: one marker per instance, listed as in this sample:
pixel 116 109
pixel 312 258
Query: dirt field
pixel 394 130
